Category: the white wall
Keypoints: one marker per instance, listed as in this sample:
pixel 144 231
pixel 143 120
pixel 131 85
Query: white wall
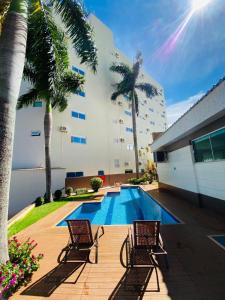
pixel 207 178
pixel 28 184
pixel 211 178
pixel 179 170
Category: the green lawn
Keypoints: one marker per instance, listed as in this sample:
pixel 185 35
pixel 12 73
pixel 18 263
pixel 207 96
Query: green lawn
pixel 40 212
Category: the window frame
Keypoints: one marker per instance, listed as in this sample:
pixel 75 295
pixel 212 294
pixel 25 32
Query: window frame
pixel 78 115
pixel 82 140
pixel 211 146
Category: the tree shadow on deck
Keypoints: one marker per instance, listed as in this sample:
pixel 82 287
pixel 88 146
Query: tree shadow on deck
pixel 47 284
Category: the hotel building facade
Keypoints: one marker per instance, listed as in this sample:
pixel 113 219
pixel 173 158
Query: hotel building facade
pixel 92 137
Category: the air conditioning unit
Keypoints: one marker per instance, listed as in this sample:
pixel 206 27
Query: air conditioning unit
pixel 63 129
pixel 121 121
pixel 126 164
pixel 122 140
pixel 120 103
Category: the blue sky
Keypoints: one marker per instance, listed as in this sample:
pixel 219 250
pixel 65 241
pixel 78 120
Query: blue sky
pixel 197 59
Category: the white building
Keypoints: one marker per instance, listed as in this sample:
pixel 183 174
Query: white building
pixel 93 136
pixel 191 153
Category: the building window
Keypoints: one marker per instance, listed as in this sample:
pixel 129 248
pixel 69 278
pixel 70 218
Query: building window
pixel 128 129
pixel 78 140
pixel 116 163
pixel 116 140
pixel 128 171
pixel 101 173
pixel 210 147
pixel 75 174
pixel 37 104
pixel 36 133
pixel 78 115
pixel 80 93
pixel 130 147
pixel 78 71
pixel 128 113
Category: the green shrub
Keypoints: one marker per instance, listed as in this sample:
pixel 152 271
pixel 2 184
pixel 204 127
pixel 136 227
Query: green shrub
pixel 145 178
pixel 96 183
pixel 39 201
pixel 81 191
pixel 18 270
pixel 58 194
pixel 69 191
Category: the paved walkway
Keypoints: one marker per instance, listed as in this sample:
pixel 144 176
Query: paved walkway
pixel 197 265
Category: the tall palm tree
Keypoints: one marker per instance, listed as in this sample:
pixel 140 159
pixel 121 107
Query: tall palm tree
pixel 13 41
pixel 46 68
pixel 127 87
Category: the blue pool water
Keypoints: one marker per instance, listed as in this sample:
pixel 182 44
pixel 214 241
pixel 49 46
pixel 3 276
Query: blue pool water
pixel 122 208
pixel 220 239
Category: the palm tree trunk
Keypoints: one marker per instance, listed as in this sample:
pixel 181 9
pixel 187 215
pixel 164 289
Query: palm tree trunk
pixel 12 55
pixel 135 135
pixel 48 133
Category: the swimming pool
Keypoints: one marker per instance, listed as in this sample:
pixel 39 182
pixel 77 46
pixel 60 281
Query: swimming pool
pixel 219 240
pixel 123 207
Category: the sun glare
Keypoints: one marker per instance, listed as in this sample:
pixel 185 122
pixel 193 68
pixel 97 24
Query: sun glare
pixel 199 4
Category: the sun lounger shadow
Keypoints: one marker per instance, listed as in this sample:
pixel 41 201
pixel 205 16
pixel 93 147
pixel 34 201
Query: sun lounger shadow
pixel 47 284
pixel 133 284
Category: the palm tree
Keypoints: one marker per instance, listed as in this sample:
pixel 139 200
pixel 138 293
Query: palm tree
pixel 13 41
pixel 127 87
pixel 46 68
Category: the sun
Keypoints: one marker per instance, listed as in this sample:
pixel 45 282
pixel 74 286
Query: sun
pixel 199 4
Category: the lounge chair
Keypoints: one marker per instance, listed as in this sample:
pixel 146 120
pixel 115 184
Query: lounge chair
pixel 146 237
pixel 143 244
pixel 81 242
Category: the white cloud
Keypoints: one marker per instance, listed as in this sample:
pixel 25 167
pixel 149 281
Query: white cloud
pixel 175 111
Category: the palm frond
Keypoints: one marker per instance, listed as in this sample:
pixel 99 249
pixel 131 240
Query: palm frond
pixel 115 95
pixel 71 82
pixel 45 46
pixel 60 102
pixel 29 73
pixel 27 99
pixel 147 88
pixel 78 28
pixel 121 69
pixel 122 88
pixel 4 6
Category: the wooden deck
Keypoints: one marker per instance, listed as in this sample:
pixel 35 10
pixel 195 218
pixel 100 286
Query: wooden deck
pixel 197 265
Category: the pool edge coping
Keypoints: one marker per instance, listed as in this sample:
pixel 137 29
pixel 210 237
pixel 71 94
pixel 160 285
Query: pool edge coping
pixel 166 209
pixel 214 241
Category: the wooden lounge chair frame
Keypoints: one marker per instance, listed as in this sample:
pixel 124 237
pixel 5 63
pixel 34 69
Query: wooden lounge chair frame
pixel 149 244
pixel 77 240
